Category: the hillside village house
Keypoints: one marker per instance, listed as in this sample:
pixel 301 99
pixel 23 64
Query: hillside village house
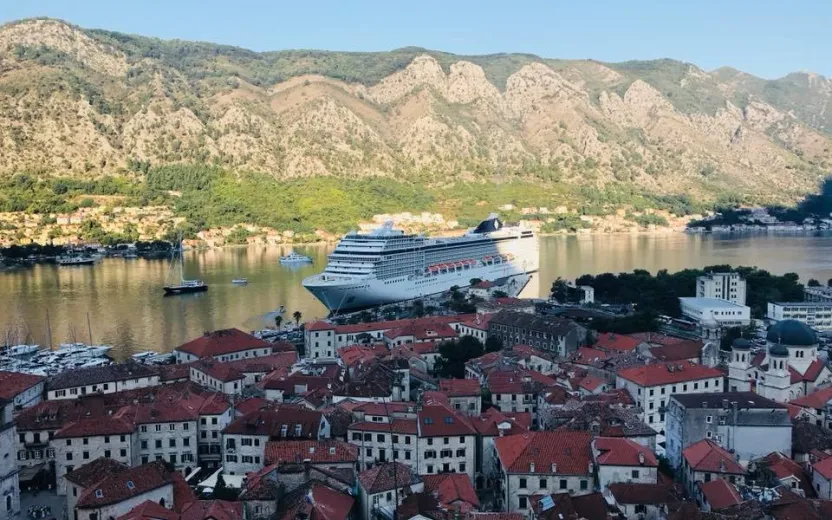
pixel 652 385
pixel 446 443
pixel 223 345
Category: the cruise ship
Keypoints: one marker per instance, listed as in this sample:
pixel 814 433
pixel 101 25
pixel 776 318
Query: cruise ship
pixel 388 265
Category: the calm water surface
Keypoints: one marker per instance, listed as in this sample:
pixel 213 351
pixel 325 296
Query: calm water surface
pixel 124 303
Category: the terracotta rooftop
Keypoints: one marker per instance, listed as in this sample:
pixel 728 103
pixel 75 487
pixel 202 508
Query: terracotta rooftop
pixel 816 399
pixel 422 331
pixel 668 373
pixel 453 489
pixel 385 477
pixel 567 507
pixel 591 383
pixel 488 423
pixel 568 451
pixel 708 456
pixel 280 422
pixel 460 387
pixel 720 494
pixel 616 451
pixel 824 467
pixel 617 342
pixel 633 493
pixel 379 326
pixel 222 342
pixel 404 426
pixel 14 383
pixel 355 354
pixel 124 485
pixel 321 503
pixel 679 352
pixel 212 510
pixel 150 510
pixel 93 472
pixel 600 418
pixel 97 426
pixel 223 372
pixel 437 420
pixel 316 452
pixel 810 375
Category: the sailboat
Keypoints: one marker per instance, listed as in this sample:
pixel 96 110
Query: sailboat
pixel 176 267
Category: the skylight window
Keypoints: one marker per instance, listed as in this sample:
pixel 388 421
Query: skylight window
pixel 99 493
pixel 131 485
pixel 428 420
pixel 449 420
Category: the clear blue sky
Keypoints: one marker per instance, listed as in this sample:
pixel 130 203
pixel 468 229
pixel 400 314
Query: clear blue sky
pixel 764 37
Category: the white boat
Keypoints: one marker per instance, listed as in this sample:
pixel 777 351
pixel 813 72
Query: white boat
pixel 21 350
pixel 240 281
pixel 143 355
pixel 76 259
pixel 294 258
pixel 97 362
pixel 181 286
pixel 388 265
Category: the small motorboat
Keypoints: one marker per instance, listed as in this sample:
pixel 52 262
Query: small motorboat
pixel 21 350
pixel 240 281
pixel 294 258
pixel 143 355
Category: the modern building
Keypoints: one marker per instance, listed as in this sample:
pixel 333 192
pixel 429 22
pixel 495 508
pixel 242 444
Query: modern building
pixel 817 294
pixel 817 315
pixel 788 369
pixel 724 286
pixel 715 312
pixel 652 385
pixel 745 423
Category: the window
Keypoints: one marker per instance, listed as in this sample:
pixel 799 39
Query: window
pixel 144 428
pixel 185 426
pixel 522 483
pixel 86 441
pixel 395 439
pixel 709 419
pixel 69 456
pixel 69 442
pixel 122 452
pixel 380 437
pixel 563 483
pixel 158 427
pixel 86 455
pixel 107 454
pixel 430 468
pixel 460 452
pixel 635 473
pixel 158 443
pixel 186 441
pixel 171 427
pixel 356 436
pixel 172 443
pixel 523 501
pixel 447 440
pixel 584 484
pixel 543 483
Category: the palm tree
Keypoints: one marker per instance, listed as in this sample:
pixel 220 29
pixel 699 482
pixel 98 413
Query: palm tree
pixel 297 315
pixel 278 320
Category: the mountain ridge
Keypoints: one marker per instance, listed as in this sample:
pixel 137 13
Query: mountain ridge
pixel 87 102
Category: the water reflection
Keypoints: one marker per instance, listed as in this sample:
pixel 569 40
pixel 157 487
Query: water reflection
pixel 126 308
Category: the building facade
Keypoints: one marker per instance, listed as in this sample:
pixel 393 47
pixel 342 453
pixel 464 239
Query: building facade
pixel 554 335
pixel 724 286
pixel 817 315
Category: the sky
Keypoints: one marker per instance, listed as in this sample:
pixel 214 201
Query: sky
pixel 766 38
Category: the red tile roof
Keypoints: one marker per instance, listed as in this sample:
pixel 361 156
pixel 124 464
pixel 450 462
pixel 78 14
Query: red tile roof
pixel 385 325
pixel 355 354
pixel 182 493
pixel 213 510
pixel 385 409
pixel 220 371
pixel 321 503
pixel 127 484
pixel 405 426
pixel 633 493
pixel 436 420
pixel 570 452
pixel 484 284
pixel 668 373
pixel 517 381
pixel 816 400
pixel 269 423
pixel 453 489
pixel 591 383
pixel 436 397
pixel 149 510
pixel 784 468
pixel 316 452
pixel 220 342
pixel 619 451
pixel 678 352
pixel 811 374
pixel 460 387
pixel 488 423
pixel 13 383
pixel 656 338
pixel 93 472
pixel 422 331
pixel 824 467
pixel 720 494
pixel 252 404
pixel 385 477
pixel 706 455
pixel 96 427
pixel 618 342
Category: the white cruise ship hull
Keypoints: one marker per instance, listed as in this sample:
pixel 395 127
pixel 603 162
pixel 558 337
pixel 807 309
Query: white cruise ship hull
pixel 352 294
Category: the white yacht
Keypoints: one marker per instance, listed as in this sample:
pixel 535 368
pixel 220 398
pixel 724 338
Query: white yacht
pixel 388 265
pixel 294 258
pixel 76 259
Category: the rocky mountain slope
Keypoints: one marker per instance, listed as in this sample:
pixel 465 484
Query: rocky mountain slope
pixel 76 101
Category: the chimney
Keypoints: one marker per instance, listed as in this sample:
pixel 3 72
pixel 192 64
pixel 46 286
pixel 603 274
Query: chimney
pixel 722 465
pixel 725 403
pixel 531 467
pixel 554 468
pixel 641 459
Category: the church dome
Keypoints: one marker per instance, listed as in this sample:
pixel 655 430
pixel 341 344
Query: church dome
pixel 741 344
pixel 778 350
pixel 792 333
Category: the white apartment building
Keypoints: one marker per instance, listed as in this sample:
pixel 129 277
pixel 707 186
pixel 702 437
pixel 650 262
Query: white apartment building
pixel 9 481
pixel 83 441
pixel 652 385
pixel 447 442
pixel 817 294
pixel 212 421
pixel 724 286
pixel 817 315
pixel 169 436
pixel 386 440
pixel 543 463
pixel 110 379
pixel 623 460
